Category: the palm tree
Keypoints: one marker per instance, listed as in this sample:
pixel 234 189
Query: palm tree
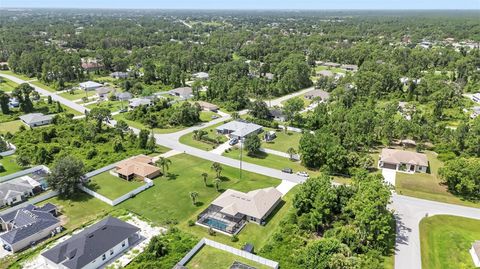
pixel 217 168
pixel 205 175
pixel 194 197
pixel 164 163
pixel 216 182
pixel 291 151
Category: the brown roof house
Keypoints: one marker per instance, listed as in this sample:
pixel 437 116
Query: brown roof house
pixel 404 161
pixel 475 252
pixel 232 209
pixel 323 95
pixel 207 106
pixel 138 166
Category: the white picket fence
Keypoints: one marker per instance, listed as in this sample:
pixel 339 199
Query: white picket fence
pixel 232 250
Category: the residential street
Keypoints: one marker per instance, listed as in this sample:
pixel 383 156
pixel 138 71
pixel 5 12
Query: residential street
pixel 408 210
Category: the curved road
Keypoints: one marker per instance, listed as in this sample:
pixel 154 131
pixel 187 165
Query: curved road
pixel 409 211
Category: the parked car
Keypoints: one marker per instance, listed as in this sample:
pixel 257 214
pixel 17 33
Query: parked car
pixel 123 110
pixel 302 174
pixel 233 141
pixel 215 117
pixel 287 170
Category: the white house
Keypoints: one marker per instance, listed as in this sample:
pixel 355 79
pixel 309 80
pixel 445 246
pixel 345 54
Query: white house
pixel 476 97
pixel 239 129
pixel 94 246
pixel 36 119
pixel 89 85
pixel 136 102
pixel 26 226
pixel 401 160
pixel 201 75
pixel 119 75
pixel 18 190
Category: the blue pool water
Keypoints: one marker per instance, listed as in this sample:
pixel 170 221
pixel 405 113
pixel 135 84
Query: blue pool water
pixel 217 224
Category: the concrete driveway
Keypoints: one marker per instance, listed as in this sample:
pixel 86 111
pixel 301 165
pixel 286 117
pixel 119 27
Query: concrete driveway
pixel 389 175
pixel 286 186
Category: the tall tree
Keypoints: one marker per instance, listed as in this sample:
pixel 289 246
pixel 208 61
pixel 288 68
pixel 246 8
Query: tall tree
pixel 65 175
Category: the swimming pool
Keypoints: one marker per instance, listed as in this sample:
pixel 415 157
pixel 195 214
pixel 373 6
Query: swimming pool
pixel 217 224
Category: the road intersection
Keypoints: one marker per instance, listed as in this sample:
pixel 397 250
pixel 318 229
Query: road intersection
pixel 408 211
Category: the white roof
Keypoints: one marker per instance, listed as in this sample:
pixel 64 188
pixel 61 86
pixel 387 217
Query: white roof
pixel 240 128
pixel 90 84
pixel 139 102
pixel 35 117
pixel 255 203
pixel 402 156
pixel 200 75
pixel 477 95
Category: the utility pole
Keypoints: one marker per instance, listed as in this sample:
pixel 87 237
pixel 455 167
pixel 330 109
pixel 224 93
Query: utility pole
pixel 241 155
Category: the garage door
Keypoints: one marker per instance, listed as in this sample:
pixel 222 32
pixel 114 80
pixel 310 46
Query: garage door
pixel 390 166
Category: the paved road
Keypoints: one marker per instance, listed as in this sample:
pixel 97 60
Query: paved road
pixel 409 212
pixel 278 101
pixel 54 96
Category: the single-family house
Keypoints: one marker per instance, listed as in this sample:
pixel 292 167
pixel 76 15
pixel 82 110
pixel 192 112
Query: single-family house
pixel 36 119
pixel 475 112
pixel 475 252
pixel 27 226
pixel 18 190
pixel 89 85
pixel 136 102
pixel 93 247
pixel 239 129
pixel 277 114
pixel 200 75
pixel 183 92
pixel 123 96
pixel 325 73
pixel 232 209
pixel 139 166
pixel 317 94
pixel 103 92
pixel 207 106
pixel 349 67
pixel 476 97
pixel 91 66
pixel 270 136
pixel 119 75
pixel 332 65
pixel 401 160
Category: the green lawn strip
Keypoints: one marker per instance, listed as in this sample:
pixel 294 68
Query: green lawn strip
pixel 270 160
pixel 43 86
pixel 7 85
pixel 168 201
pixel 111 186
pixel 8 72
pixel 10 126
pixel 333 69
pixel 206 116
pixel 77 94
pixel 283 141
pixel 389 262
pixel 211 132
pixel 209 257
pixel 252 233
pixel 428 185
pixel 446 240
pixel 9 165
pixel 140 126
pixel 110 105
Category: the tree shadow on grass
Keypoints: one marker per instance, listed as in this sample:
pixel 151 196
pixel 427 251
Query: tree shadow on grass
pixel 259 155
pixel 275 211
pixel 92 186
pixel 171 176
pixel 199 204
pixel 224 179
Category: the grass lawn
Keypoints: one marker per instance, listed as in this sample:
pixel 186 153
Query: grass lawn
pixel 10 166
pixel 270 160
pixel 77 94
pixel 206 116
pixel 209 257
pixel 284 141
pixel 43 86
pixel 333 69
pixel 428 186
pixel 187 139
pixel 8 72
pixel 138 125
pixel 446 240
pixel 110 105
pixel 168 201
pixel 10 126
pixel 7 85
pixel 111 186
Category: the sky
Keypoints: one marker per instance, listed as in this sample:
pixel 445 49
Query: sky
pixel 248 4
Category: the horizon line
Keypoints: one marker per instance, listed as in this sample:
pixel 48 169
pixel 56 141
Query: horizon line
pixel 246 9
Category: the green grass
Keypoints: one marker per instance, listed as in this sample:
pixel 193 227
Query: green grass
pixel 284 141
pixel 43 86
pixel 110 105
pixel 270 160
pixel 111 186
pixel 10 126
pixel 206 116
pixel 79 210
pixel 187 139
pixel 251 233
pixel 333 69
pixel 8 72
pixel 10 165
pixel 168 201
pixel 7 85
pixel 209 257
pixel 140 126
pixel 428 185
pixel 446 240
pixel 77 94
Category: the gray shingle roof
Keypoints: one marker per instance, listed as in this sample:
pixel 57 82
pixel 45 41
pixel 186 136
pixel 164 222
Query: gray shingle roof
pixel 240 128
pixel 27 221
pixel 84 247
pixel 35 117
